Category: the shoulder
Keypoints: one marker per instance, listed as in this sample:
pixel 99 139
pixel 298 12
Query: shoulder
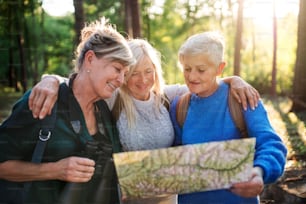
pixel 223 85
pixel 174 90
pixel 21 115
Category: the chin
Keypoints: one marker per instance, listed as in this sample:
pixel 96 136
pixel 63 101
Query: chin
pixel 193 91
pixel 106 95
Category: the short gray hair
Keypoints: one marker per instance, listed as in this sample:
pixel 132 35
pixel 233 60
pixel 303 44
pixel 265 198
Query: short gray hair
pixel 211 42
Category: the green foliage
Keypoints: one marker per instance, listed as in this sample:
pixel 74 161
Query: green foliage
pixel 58 45
pixel 169 25
pixel 49 41
pixel 112 9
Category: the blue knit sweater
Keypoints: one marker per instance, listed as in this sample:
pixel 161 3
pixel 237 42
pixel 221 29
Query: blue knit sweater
pixel 208 119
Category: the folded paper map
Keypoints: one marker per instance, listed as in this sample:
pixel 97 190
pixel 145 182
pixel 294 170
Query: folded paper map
pixel 184 169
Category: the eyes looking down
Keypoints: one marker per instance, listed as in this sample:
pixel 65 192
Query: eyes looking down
pixel 105 76
pixel 200 74
pixel 141 79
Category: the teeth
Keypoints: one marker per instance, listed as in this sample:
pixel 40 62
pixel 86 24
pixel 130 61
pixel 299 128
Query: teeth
pixel 111 85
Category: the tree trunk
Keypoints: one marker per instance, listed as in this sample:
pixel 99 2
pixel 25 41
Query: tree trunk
pixel 274 64
pixel 132 18
pixel 24 81
pixel 135 19
pixel 239 28
pixel 128 18
pixel 79 19
pixel 12 78
pixel 35 42
pixel 299 81
pixel 20 27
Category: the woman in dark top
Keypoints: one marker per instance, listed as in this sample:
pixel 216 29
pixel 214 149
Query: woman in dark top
pixel 102 59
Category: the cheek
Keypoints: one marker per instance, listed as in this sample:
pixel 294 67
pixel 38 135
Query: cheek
pixel 130 83
pixel 152 78
pixel 185 74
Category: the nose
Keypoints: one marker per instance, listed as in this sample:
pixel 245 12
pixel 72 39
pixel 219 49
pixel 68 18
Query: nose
pixel 143 78
pixel 192 75
pixel 121 78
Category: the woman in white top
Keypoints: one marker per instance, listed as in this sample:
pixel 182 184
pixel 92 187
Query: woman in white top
pixel 140 106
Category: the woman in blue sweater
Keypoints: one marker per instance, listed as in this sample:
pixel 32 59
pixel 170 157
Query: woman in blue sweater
pixel 208 119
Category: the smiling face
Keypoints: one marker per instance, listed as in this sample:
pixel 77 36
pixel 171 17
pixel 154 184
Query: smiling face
pixel 201 73
pixel 142 79
pixel 105 76
pixel 201 57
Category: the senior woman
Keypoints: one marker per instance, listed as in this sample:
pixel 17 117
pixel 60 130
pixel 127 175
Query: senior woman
pixel 102 59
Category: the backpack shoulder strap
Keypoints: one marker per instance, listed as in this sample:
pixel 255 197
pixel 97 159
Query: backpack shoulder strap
pixel 45 132
pixel 182 108
pixel 47 125
pixel 237 114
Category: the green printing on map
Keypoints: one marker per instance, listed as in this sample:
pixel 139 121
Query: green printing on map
pixel 184 169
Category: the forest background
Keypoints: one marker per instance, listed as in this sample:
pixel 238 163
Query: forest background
pixel 261 36
pixel 265 45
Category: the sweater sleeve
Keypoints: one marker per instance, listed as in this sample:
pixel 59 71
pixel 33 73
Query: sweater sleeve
pixel 270 153
pixel 175 90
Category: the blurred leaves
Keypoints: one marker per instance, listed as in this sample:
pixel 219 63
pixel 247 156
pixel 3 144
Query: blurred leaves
pixel 49 44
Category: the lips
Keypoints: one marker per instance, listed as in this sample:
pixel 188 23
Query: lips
pixel 142 87
pixel 193 84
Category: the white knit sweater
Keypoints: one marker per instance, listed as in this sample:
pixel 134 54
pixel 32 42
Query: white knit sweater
pixel 153 129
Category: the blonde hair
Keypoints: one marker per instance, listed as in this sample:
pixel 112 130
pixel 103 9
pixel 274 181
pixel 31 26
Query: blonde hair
pixel 103 38
pixel 211 42
pixel 140 49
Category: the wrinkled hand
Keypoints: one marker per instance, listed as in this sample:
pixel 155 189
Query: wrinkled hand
pixel 251 188
pixel 75 169
pixel 244 93
pixel 43 96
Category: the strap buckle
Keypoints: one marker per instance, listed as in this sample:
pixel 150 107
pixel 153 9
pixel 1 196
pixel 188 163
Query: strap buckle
pixel 44 137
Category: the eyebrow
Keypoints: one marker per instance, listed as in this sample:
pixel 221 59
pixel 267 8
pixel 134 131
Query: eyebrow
pixel 201 66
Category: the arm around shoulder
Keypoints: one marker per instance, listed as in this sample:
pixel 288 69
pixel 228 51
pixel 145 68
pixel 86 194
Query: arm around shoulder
pixel 44 95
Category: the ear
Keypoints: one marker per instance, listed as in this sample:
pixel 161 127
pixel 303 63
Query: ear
pixel 89 56
pixel 221 68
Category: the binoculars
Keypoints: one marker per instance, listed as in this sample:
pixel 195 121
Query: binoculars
pixel 102 188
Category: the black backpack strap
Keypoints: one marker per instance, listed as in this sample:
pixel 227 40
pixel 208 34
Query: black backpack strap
pixel 47 125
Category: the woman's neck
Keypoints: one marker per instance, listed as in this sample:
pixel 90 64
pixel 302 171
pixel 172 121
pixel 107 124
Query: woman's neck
pixel 81 92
